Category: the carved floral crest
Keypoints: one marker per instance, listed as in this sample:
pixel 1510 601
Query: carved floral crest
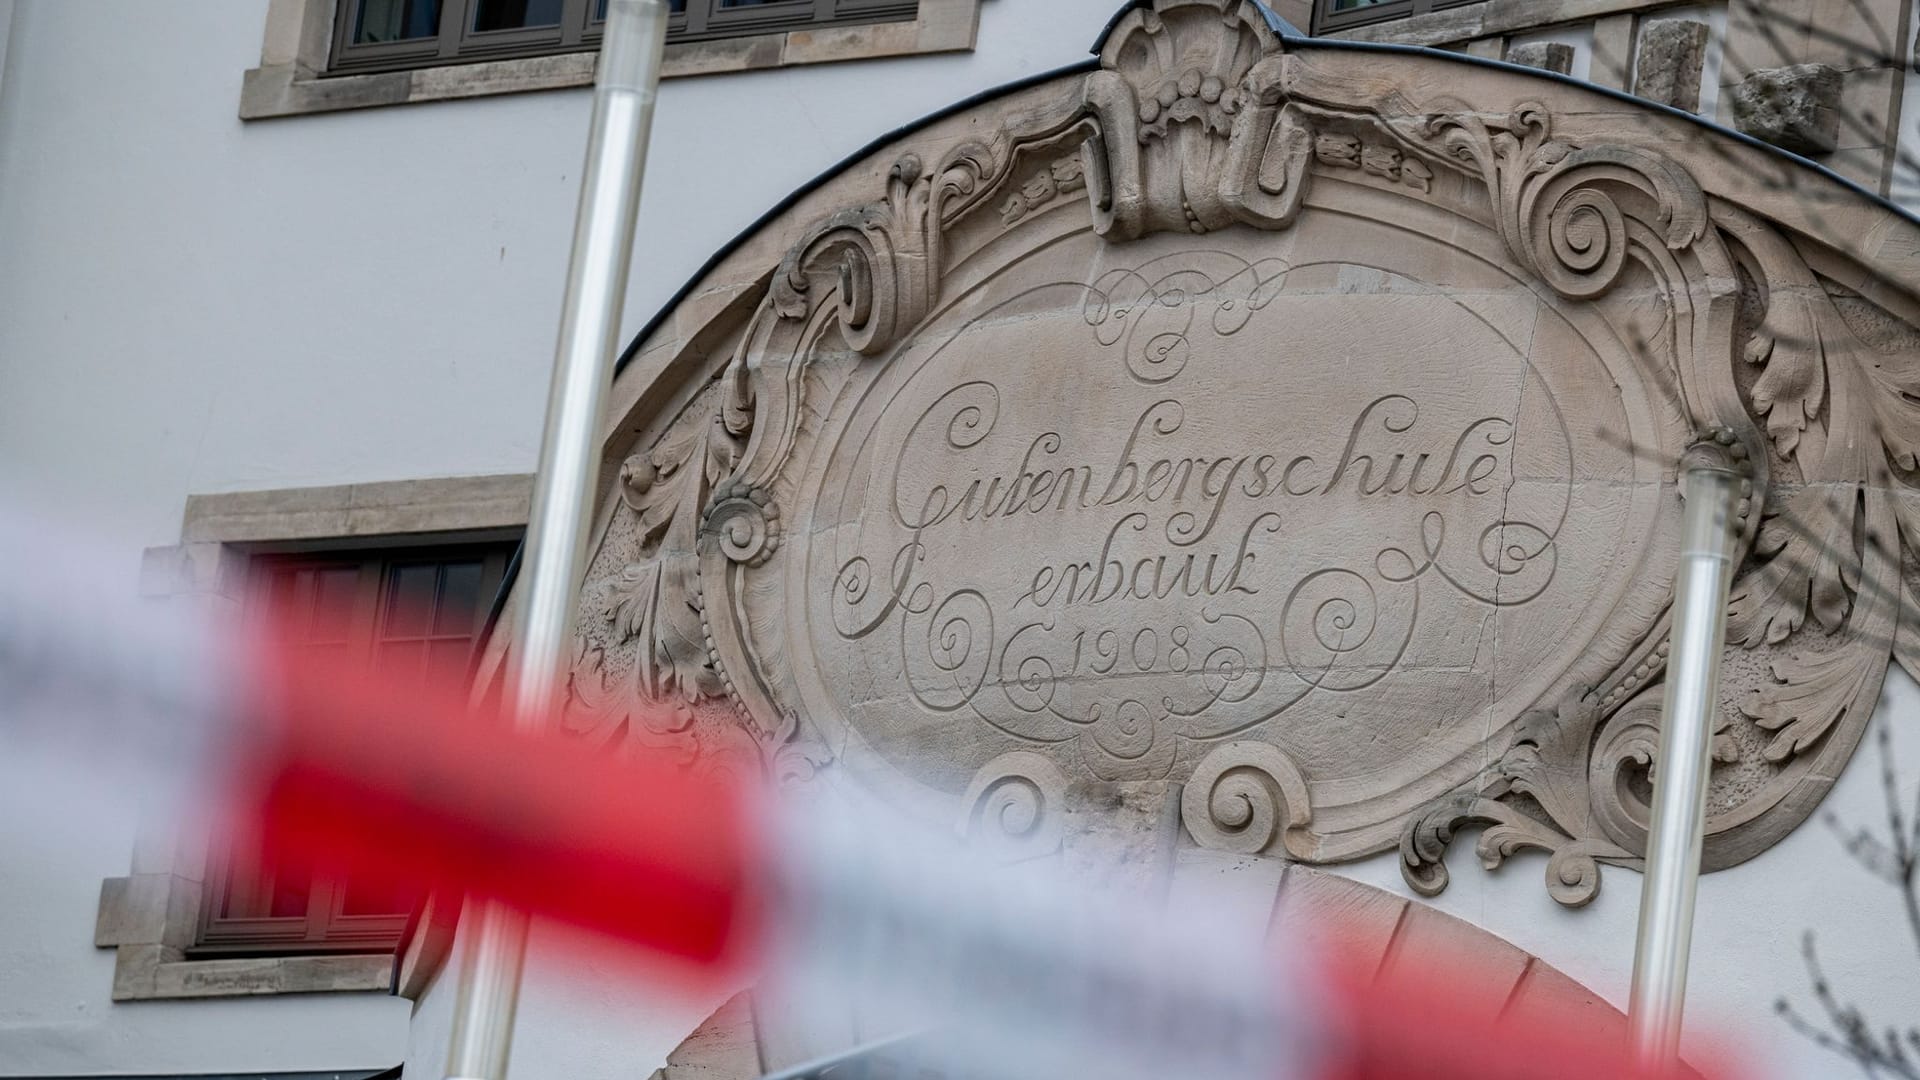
pixel 1200 121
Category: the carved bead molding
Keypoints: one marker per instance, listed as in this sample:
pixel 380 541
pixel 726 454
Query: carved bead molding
pixel 1292 424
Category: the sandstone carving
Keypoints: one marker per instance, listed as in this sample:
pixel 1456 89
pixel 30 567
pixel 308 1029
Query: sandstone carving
pixel 1016 805
pixel 1248 420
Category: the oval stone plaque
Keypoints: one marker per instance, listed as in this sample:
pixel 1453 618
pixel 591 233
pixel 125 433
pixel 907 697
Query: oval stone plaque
pixel 1216 493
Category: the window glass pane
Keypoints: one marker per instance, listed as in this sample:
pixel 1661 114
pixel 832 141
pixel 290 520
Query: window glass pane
pixel 395 20
pixel 459 599
pixel 410 599
pixel 426 620
pixel 255 889
pixel 361 898
pixel 284 596
pixel 515 14
pixel 1354 5
pixel 333 592
pixel 289 893
pixel 240 899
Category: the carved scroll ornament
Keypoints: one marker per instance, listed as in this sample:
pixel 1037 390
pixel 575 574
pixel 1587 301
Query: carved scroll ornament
pixel 1200 122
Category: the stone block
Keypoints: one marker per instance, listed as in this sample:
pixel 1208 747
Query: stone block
pixel 723 55
pixel 726 1047
pixel 1672 54
pixel 1122 834
pixel 1352 923
pixel 135 967
pixel 1545 55
pixel 281 91
pixel 944 27
pixel 270 975
pixel 286 21
pixel 1486 48
pixel 1239 890
pixel 1483 968
pixel 1795 108
pixel 252 515
pixel 1548 1000
pixel 501 77
pixel 832 43
pixel 147 909
pixel 439 505
pixel 116 923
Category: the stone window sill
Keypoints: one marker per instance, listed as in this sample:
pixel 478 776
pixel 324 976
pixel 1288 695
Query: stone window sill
pixel 292 89
pixel 153 977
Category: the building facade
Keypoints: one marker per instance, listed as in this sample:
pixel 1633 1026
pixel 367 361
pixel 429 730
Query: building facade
pixel 1381 344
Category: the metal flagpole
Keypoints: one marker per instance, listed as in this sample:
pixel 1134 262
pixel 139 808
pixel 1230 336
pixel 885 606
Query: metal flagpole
pixel 1711 482
pixel 629 74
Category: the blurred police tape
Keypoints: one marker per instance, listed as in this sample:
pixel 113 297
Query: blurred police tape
pixel 834 906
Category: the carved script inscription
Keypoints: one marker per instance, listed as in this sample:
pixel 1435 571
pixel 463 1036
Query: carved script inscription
pixel 1194 499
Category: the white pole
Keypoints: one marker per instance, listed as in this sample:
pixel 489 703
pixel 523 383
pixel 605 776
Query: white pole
pixel 1674 838
pixel 494 948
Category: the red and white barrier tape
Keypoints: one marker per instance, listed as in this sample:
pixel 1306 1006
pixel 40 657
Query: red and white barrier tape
pixel 1018 973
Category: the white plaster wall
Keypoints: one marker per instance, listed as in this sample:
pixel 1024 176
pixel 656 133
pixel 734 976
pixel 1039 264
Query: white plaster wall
pixel 189 303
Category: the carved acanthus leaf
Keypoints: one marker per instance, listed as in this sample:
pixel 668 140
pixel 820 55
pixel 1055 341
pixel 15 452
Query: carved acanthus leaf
pixel 1892 382
pixel 1573 871
pixel 1813 567
pixel 660 482
pixel 1793 387
pixel 1545 759
pixel 1574 214
pixel 1814 690
pixel 606 710
pixel 655 605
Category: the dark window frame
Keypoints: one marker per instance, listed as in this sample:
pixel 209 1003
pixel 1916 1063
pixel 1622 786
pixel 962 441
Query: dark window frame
pixel 580 27
pixel 325 926
pixel 1326 20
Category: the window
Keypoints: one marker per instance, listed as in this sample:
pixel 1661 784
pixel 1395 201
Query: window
pixel 1334 15
pixel 413 612
pixel 392 35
